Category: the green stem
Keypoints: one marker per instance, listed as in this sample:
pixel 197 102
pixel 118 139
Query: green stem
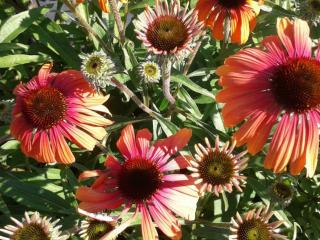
pixel 118 20
pixel 193 54
pixel 92 34
pixel 123 88
pixel 222 225
pixel 166 78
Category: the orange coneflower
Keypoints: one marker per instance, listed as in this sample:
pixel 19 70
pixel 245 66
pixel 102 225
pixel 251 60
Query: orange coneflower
pixel 55 106
pixel 218 169
pixel 276 85
pixel 239 16
pixel 148 180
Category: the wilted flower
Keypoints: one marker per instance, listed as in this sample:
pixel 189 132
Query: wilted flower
pixel 33 228
pixel 148 180
pixel 55 106
pixel 276 85
pixel 234 17
pixel 254 225
pixel 6 107
pixel 150 72
pixel 168 29
pixel 98 69
pixel 281 192
pixel 217 169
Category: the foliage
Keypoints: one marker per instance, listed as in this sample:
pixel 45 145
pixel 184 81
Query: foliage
pixel 31 37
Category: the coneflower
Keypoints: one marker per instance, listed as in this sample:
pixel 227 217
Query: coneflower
pixel 33 227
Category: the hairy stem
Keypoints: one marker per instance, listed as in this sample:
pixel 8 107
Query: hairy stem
pixel 118 20
pixel 92 34
pixel 123 88
pixel 166 77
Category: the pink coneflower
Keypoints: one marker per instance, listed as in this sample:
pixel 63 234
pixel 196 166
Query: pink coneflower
pixel 148 180
pixel 167 29
pixel 217 169
pixel 255 225
pixel 55 106
pixel 279 83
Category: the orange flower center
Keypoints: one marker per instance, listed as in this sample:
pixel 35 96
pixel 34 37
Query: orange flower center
pixel 296 84
pixel 216 168
pixel 167 33
pixel 45 107
pixel 139 179
pixel 231 4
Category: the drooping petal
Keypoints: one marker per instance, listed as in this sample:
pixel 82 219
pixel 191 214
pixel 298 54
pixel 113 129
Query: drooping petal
pixel 164 219
pixel 148 229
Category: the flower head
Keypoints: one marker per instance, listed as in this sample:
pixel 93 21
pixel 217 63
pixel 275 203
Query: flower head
pixel 98 69
pixel 217 169
pixel 237 17
pixel 281 192
pixel 96 226
pixel 55 106
pixel 6 107
pixel 33 227
pixel 277 85
pixel 148 180
pixel 150 72
pixel 168 29
pixel 255 225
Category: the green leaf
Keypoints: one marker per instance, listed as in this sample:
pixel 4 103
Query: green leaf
pixel 19 23
pixel 12 46
pixel 3 207
pixel 191 85
pixel 32 195
pixel 19 59
pixel 188 103
pixel 52 36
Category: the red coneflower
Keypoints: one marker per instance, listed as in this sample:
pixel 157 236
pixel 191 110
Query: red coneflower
pixel 55 106
pixel 277 84
pixel 217 170
pixel 240 15
pixel 167 29
pixel 255 225
pixel 148 180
